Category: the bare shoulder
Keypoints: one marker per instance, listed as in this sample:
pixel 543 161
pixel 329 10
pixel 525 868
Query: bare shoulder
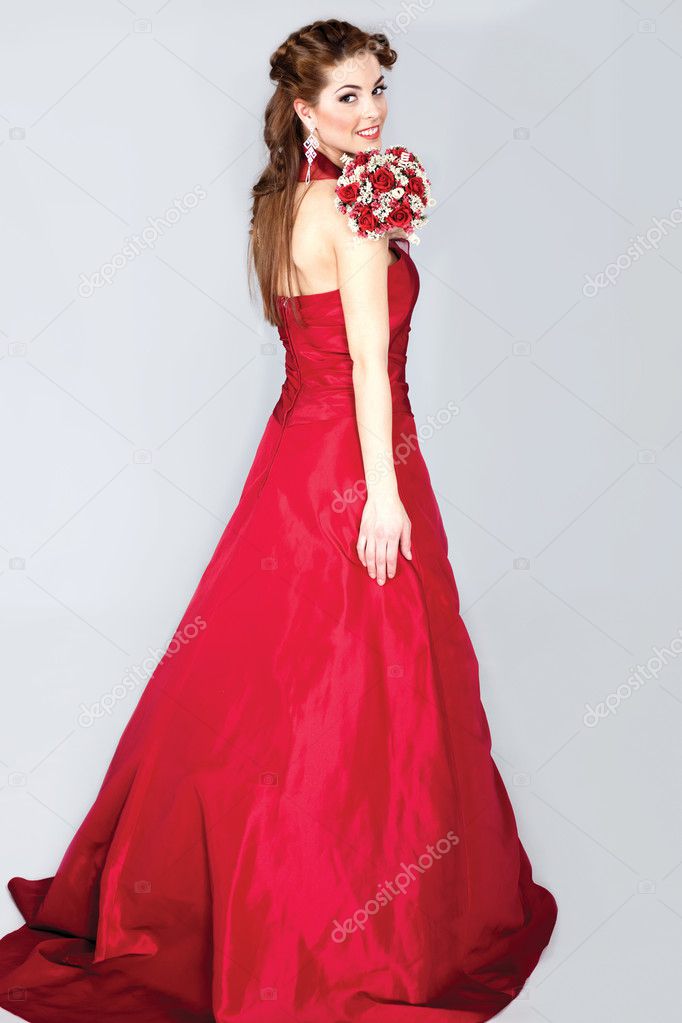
pixel 318 208
pixel 322 192
pixel 361 265
pixel 312 237
pixel 330 255
pixel 353 256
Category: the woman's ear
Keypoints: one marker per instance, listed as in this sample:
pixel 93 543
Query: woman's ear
pixel 303 109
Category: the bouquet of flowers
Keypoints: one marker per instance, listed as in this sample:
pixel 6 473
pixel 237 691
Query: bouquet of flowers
pixel 380 191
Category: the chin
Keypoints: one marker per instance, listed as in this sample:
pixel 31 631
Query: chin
pixel 363 144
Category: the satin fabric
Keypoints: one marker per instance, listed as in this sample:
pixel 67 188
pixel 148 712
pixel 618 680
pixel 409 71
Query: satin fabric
pixel 302 820
pixel 321 168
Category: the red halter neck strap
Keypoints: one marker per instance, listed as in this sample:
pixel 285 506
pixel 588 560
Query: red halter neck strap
pixel 322 167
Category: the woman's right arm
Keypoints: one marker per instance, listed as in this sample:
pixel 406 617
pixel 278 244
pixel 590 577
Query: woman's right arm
pixel 363 285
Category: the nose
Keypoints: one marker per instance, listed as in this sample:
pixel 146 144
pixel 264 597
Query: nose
pixel 371 110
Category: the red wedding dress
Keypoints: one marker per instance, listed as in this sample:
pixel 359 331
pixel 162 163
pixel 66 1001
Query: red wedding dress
pixel 302 820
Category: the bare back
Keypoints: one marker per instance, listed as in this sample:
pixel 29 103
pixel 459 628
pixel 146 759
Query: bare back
pixel 312 245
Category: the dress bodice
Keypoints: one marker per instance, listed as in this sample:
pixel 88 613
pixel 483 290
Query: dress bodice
pixel 318 382
pixel 318 365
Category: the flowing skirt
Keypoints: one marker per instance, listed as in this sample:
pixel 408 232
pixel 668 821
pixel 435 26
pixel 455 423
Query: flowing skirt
pixel 302 820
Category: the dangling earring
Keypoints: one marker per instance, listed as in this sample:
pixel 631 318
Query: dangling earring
pixel 310 146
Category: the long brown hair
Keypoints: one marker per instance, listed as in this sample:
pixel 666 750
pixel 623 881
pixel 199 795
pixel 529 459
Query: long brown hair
pixel 298 67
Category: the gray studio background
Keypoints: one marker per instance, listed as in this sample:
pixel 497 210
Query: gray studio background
pixel 130 415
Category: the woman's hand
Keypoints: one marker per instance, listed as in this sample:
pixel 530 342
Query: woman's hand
pixel 384 527
pixel 396 232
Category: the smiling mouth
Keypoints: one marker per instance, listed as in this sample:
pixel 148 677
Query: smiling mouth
pixel 369 133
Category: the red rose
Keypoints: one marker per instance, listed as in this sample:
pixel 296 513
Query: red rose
pixel 348 193
pixel 401 216
pixel 382 179
pixel 415 186
pixel 367 221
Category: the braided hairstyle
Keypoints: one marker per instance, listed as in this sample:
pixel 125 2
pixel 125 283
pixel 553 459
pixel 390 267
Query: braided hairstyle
pixel 299 70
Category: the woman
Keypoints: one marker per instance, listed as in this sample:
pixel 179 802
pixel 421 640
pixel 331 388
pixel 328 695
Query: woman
pixel 302 819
